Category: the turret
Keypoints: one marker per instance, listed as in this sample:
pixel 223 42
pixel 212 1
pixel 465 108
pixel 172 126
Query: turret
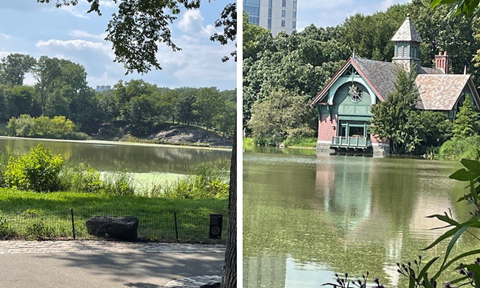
pixel 407 45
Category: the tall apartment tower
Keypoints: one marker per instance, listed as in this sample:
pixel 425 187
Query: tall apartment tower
pixel 274 15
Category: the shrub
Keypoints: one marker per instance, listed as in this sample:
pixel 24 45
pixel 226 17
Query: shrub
pixel 38 171
pixel 118 183
pixel 80 177
pixel 457 148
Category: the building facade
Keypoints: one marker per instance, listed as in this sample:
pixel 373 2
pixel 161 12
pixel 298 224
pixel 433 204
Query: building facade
pixel 344 104
pixel 274 15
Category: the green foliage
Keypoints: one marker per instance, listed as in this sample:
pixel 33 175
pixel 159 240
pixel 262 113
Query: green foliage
pixel 465 122
pixel 38 171
pixel 458 148
pixel 58 128
pixel 14 67
pixel 118 183
pixel 301 142
pixel 5 230
pixel 466 7
pixel 408 129
pixel 282 115
pixel 80 177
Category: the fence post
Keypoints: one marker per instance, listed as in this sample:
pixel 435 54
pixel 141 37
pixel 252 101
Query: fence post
pixel 73 223
pixel 176 226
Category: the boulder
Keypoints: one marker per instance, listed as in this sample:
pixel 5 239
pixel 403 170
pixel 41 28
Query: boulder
pixel 124 228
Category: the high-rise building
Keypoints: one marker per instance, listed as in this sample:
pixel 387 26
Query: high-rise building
pixel 274 15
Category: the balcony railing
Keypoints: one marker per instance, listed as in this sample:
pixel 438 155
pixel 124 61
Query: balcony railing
pixel 355 142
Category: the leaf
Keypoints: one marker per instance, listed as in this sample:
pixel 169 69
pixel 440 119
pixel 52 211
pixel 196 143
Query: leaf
pixel 424 270
pixel 462 175
pixel 469 253
pixel 444 218
pixel 475 268
pixel 472 165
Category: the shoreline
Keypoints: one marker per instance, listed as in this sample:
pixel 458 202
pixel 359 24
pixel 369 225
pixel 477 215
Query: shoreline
pixel 111 142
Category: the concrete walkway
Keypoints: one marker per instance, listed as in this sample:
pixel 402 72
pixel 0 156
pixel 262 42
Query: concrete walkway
pixel 93 264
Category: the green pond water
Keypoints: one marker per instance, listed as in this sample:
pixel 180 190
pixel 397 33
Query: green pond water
pixel 306 218
pixel 148 164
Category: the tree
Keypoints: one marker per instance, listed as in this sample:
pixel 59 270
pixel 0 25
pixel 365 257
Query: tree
pixel 14 67
pixel 208 104
pixel 466 7
pixel 281 116
pixel 464 124
pixel 138 26
pixel 402 124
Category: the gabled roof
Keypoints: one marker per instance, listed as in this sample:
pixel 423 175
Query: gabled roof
pixel 380 76
pixel 407 32
pixel 441 92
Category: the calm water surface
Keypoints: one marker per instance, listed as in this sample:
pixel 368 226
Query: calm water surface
pixel 131 158
pixel 307 217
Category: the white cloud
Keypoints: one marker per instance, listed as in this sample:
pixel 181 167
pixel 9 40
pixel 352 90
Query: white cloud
pixel 5 36
pixel 192 22
pixel 76 44
pixel 75 11
pixel 85 34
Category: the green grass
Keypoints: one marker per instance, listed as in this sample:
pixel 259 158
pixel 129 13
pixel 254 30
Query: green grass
pixel 301 143
pixel 32 215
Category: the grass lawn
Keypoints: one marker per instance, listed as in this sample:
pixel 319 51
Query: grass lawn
pixel 33 215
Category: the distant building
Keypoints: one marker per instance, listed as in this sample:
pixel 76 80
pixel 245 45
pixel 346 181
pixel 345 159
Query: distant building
pixel 101 88
pixel 274 15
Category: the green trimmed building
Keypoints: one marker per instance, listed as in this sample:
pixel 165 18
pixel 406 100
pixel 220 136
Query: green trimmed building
pixel 344 104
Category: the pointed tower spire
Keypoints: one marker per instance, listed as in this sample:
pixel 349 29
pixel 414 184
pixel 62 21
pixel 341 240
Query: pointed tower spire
pixel 407 45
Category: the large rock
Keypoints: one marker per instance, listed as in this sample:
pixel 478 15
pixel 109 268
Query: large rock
pixel 124 228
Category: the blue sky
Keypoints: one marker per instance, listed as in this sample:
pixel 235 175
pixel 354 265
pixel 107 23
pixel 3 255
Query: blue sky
pixel 41 29
pixel 325 13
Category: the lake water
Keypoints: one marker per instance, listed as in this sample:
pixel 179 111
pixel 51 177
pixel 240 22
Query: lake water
pixel 306 218
pixel 146 162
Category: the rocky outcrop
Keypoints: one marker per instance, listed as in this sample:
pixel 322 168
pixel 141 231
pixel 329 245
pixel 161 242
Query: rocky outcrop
pixel 190 135
pixel 123 228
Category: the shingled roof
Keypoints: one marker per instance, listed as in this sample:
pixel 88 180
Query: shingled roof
pixel 381 76
pixel 440 92
pixel 407 32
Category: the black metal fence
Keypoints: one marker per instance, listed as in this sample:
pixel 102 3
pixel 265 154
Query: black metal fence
pixel 186 226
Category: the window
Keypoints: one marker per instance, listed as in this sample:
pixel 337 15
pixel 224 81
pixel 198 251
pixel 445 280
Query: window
pixel 399 51
pixel 284 3
pixel 294 25
pixel 283 23
pixel 294 4
pixel 294 16
pixel 284 13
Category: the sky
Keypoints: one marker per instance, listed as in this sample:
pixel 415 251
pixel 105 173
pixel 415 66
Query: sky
pixel 325 13
pixel 36 29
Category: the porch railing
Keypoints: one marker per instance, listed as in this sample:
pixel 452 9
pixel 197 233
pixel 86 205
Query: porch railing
pixel 350 142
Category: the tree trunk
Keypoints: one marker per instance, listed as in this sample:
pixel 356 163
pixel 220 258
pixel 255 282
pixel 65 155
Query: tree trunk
pixel 229 279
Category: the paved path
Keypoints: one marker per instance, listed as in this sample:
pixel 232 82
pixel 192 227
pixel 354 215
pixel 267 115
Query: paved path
pixel 93 264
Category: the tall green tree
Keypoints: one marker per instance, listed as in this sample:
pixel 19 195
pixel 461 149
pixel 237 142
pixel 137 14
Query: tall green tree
pixel 208 104
pixel 14 67
pixel 465 122
pixel 402 124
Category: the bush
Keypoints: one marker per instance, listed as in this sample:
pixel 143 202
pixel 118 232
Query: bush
pixel 80 177
pixel 119 183
pixel 38 171
pixel 59 127
pixel 457 148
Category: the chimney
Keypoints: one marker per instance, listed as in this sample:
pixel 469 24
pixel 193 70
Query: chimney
pixel 442 62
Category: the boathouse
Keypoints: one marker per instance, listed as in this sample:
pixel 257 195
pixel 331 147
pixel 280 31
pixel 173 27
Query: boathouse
pixel 344 104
